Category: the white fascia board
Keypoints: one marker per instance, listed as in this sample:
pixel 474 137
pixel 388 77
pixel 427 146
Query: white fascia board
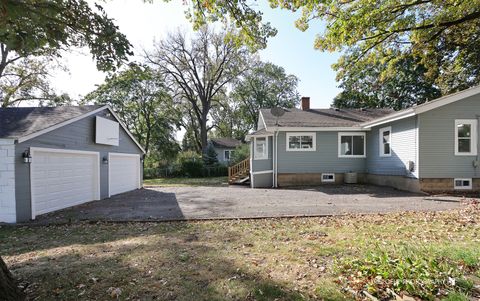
pixel 253 136
pixel 263 119
pixel 318 129
pixel 57 126
pixel 394 117
pixel 67 122
pixel 125 128
pixel 433 104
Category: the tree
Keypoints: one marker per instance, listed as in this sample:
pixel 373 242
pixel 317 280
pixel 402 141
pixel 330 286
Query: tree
pixel 210 157
pixel 227 118
pixel 198 70
pixel 38 27
pixel 9 290
pixel 140 98
pixel 25 79
pixel 264 86
pixel 34 33
pixel 442 36
pixel 371 86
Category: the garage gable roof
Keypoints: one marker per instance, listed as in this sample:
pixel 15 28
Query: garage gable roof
pixel 25 123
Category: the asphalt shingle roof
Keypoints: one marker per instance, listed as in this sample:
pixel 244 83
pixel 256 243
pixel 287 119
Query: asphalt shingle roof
pixel 226 142
pixel 23 121
pixel 323 117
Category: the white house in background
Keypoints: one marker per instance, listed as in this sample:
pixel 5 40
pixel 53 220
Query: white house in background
pixel 57 157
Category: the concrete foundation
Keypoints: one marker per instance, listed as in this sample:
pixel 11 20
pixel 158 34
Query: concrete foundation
pixel 310 179
pixel 444 184
pixel 398 182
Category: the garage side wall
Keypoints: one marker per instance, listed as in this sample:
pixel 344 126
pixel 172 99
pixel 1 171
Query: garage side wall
pixel 79 135
pixel 7 181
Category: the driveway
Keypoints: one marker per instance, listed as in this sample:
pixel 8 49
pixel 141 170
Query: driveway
pixel 189 203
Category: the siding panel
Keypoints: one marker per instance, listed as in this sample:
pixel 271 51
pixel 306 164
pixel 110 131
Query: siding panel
pixel 437 141
pixel 323 159
pixel 403 149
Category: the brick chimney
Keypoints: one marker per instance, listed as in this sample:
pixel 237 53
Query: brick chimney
pixel 305 105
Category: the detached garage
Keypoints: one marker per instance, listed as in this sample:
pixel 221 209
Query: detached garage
pixel 54 158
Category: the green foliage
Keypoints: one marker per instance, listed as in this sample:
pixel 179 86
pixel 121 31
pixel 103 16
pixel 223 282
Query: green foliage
pixel 37 27
pixel 455 296
pixel 264 86
pixel 241 153
pixel 141 99
pixel 210 157
pixel 371 85
pixel 438 40
pixel 417 271
pixel 329 291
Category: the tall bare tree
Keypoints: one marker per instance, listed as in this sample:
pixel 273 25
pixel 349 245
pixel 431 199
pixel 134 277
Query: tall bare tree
pixel 198 69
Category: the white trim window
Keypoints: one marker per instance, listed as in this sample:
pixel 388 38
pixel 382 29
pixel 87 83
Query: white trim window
pixel 328 178
pixel 261 148
pixel 351 145
pixel 465 137
pixel 301 142
pixel 462 183
pixel 227 154
pixel 385 141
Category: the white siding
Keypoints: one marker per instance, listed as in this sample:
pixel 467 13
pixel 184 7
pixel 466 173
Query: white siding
pixel 7 181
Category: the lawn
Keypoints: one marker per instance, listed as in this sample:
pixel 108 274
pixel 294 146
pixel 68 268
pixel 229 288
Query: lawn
pixel 182 182
pixel 334 258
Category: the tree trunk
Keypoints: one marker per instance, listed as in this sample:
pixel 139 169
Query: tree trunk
pixel 9 290
pixel 204 134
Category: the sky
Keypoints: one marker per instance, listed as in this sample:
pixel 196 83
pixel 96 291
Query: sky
pixel 143 23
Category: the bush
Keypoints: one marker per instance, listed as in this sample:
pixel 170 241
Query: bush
pixel 189 164
pixel 241 153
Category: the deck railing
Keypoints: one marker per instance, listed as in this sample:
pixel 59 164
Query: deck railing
pixel 238 170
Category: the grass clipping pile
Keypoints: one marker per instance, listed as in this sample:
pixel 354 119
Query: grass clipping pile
pixel 401 271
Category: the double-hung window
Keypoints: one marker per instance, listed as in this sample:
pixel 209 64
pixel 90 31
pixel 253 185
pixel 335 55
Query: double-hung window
pixel 351 145
pixel 465 137
pixel 301 141
pixel 385 141
pixel 228 154
pixel 260 148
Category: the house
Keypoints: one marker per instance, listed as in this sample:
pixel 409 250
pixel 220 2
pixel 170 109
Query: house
pixel 56 157
pixel 224 147
pixel 428 147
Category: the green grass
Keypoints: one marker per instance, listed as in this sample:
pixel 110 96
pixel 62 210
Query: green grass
pixel 185 182
pixel 267 259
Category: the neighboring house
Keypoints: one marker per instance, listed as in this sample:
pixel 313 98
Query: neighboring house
pixel 53 158
pixel 224 147
pixel 428 147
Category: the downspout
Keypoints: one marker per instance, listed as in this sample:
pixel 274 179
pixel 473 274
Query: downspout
pixel 275 171
pixel 274 157
pixel 475 164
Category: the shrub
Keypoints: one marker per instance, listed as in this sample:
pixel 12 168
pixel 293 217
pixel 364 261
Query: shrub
pixel 241 153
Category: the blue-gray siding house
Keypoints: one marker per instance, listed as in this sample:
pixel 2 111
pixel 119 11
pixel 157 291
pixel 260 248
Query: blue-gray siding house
pixel 224 147
pixel 428 147
pixel 53 158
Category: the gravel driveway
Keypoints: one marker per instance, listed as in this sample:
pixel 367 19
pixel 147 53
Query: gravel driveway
pixel 183 203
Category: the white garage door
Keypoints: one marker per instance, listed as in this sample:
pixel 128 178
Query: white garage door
pixel 124 173
pixel 63 178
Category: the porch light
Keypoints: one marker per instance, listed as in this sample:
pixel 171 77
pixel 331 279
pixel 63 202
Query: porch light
pixel 105 160
pixel 27 157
